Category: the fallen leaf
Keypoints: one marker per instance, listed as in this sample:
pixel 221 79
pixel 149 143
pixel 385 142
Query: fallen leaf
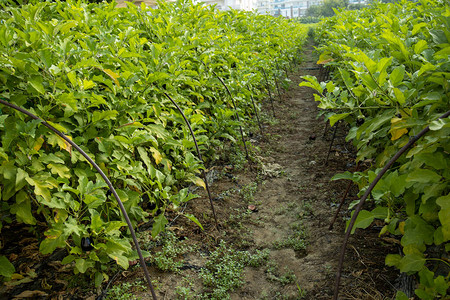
pixel 29 294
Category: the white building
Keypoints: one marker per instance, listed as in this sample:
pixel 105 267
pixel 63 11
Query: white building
pixel 291 8
pixel 230 4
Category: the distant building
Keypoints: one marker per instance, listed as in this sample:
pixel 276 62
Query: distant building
pixel 291 8
pixel 285 8
pixel 230 4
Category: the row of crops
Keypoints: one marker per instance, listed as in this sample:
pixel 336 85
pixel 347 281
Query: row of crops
pixel 390 69
pixel 99 74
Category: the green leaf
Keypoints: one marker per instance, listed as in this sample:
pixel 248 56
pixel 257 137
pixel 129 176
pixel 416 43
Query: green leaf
pixel 417 232
pixel 397 75
pixel 364 219
pixel 88 84
pixel 346 175
pixel 68 259
pixel 82 265
pixel 399 96
pixel 55 239
pixel 380 212
pixel 159 224
pixel 21 179
pixel 438 124
pixel 72 78
pixel 36 83
pixel 98 279
pixel 423 176
pixel 40 188
pixel 401 296
pixel 104 115
pixel 418 27
pixel 120 259
pixel 6 268
pixel 393 260
pixel 96 223
pixel 193 219
pixel 22 208
pixel 61 170
pixel 113 227
pixel 311 81
pixel 334 118
pixel 412 263
pixel 444 215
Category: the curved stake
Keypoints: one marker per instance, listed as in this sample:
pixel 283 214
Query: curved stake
pixel 237 114
pixel 256 111
pixel 199 156
pixel 367 193
pixel 122 208
pixel 268 90
pixel 331 143
pixel 276 82
pixel 342 200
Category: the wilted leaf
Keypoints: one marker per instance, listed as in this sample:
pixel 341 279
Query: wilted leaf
pixel 112 75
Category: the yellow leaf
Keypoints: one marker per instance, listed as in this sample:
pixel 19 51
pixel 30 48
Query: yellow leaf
pixel 57 126
pixel 199 182
pixel 401 227
pixel 88 84
pixel 103 167
pixel 65 145
pixel 397 131
pixel 59 169
pixel 156 155
pixel 112 75
pixel 60 215
pixel 16 276
pixel 167 164
pixel 41 188
pixel 38 144
pixel 324 58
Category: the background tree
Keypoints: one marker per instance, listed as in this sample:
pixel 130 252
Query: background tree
pixel 326 8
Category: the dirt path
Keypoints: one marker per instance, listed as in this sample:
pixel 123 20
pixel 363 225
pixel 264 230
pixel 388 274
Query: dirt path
pixel 287 234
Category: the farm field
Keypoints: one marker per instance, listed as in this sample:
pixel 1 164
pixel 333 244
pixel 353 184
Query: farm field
pixel 215 149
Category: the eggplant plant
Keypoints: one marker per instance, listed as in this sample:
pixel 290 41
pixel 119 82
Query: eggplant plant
pixel 389 82
pixel 99 74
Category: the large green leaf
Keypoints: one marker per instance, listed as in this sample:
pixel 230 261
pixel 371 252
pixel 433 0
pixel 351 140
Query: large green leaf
pixel 423 176
pixel 364 219
pixel 6 268
pixel 444 215
pixel 412 263
pixel 159 224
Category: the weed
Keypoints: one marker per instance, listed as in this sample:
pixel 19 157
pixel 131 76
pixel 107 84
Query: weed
pixel 296 241
pixel 257 259
pixel 168 258
pixel 222 272
pixel 248 191
pixel 236 156
pixel 185 292
pixel 125 290
pixel 273 274
pixel 290 242
pixel 307 209
pixel 301 292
